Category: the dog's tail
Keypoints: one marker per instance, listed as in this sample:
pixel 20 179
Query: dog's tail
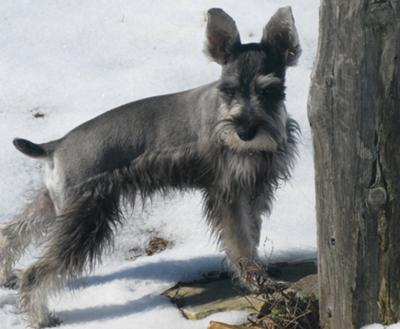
pixel 35 150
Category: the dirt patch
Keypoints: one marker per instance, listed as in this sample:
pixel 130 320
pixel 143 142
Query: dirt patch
pixel 155 245
pixel 39 115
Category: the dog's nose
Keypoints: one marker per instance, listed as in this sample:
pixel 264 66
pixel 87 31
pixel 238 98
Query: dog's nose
pixel 246 134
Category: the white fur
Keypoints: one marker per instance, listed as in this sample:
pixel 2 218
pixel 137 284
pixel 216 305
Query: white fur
pixel 228 136
pixel 53 179
pixel 5 264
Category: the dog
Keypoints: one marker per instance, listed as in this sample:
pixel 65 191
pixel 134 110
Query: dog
pixel 232 139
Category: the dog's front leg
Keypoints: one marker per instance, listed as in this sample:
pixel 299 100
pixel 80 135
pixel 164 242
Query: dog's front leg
pixel 237 239
pixel 238 224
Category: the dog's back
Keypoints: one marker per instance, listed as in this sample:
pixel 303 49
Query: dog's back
pixel 117 137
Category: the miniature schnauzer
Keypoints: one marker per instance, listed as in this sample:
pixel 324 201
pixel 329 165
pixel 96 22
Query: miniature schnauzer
pixel 232 139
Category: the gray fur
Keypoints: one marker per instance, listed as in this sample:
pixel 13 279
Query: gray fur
pixel 28 226
pixel 281 33
pixel 231 139
pixel 222 36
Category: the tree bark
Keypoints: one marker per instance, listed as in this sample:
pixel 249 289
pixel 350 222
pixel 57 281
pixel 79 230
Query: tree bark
pixel 354 112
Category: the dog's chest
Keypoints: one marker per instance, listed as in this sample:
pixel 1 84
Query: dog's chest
pixel 247 171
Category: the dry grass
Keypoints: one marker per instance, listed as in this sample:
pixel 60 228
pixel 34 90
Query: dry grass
pixel 287 310
pixel 284 307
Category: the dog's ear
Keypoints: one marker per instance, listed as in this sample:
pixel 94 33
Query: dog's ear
pixel 281 34
pixel 222 36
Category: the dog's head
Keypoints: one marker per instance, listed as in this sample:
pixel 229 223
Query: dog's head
pixel 252 115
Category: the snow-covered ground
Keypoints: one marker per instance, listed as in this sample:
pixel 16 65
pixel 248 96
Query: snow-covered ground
pixel 379 326
pixel 73 60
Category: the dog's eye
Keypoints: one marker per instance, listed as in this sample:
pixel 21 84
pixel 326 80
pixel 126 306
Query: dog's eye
pixel 272 92
pixel 227 91
pixel 229 87
pixel 230 92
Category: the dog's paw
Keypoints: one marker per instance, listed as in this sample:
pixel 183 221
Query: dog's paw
pixel 255 277
pixel 51 321
pixel 12 281
pixel 54 321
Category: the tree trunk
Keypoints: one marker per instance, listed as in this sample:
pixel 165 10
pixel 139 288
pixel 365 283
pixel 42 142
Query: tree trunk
pixel 354 112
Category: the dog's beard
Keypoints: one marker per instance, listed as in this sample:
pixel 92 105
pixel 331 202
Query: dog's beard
pixel 264 140
pixel 261 142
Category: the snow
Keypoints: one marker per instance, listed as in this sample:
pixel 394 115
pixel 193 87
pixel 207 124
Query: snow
pixel 379 326
pixel 73 60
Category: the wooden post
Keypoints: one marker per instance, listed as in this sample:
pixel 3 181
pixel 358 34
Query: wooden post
pixel 354 112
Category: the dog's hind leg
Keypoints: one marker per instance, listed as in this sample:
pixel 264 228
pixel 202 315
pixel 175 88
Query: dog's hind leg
pixel 29 225
pixel 76 241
